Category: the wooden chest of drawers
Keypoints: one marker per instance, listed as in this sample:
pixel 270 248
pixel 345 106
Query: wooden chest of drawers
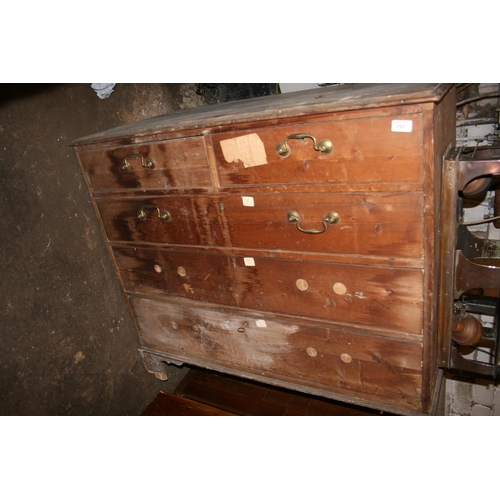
pixel 291 239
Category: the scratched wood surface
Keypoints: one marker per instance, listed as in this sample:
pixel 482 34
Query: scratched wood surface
pixel 194 220
pixel 384 297
pixel 177 163
pixel 364 150
pixel 371 224
pixel 388 369
pixel 277 107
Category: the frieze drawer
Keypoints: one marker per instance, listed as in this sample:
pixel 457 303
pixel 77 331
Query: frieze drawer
pixel 364 150
pixel 158 165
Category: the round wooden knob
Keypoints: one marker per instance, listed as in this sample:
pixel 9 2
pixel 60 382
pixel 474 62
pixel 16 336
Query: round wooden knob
pixel 345 357
pixel 339 288
pixel 302 285
pixel 467 331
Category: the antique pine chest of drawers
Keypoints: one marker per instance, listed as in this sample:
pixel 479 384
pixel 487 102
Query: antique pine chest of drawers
pixel 291 239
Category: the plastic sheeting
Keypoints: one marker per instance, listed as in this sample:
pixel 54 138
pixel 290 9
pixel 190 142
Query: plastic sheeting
pixel 103 90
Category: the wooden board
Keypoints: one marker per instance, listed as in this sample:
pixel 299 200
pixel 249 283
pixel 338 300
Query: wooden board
pixel 172 405
pixel 247 398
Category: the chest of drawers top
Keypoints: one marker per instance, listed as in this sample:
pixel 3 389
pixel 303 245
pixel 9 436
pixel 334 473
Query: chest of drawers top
pixel 277 107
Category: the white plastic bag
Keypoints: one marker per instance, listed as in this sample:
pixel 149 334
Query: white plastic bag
pixel 103 90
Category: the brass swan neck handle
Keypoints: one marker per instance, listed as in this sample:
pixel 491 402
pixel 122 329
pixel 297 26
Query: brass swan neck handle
pixel 162 214
pixel 331 218
pixel 147 163
pixel 324 146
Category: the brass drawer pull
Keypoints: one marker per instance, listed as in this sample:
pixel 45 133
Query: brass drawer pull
pixel 331 218
pixel 149 163
pixel 324 146
pixel 163 214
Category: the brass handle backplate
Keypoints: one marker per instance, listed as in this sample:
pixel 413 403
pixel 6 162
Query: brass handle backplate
pixel 162 214
pixel 324 146
pixel 148 163
pixel 331 218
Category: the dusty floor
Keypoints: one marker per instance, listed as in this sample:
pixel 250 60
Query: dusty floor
pixel 67 343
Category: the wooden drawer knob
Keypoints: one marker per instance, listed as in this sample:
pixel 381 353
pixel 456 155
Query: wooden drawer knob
pixel 345 357
pixel 302 284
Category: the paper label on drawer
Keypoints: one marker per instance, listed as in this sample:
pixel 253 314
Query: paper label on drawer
pixel 401 126
pixel 248 201
pixel 249 261
pixel 249 149
pixel 260 323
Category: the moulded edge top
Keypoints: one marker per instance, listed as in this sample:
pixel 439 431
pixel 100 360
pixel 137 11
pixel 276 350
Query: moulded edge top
pixel 316 101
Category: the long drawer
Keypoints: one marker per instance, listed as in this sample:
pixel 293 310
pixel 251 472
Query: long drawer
pixel 377 149
pixel 324 358
pixel 370 224
pixel 387 298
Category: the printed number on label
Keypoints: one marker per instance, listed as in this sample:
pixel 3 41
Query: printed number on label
pixel 401 126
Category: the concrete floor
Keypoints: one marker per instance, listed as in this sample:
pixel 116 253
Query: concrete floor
pixel 67 344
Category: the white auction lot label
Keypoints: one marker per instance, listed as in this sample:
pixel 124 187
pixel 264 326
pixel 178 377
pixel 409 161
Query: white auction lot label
pixel 401 126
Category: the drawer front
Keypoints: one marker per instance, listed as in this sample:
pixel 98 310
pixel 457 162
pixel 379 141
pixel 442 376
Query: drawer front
pixel 177 163
pixel 381 297
pixel 363 150
pixel 177 220
pixel 379 224
pixel 369 224
pixel 382 369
